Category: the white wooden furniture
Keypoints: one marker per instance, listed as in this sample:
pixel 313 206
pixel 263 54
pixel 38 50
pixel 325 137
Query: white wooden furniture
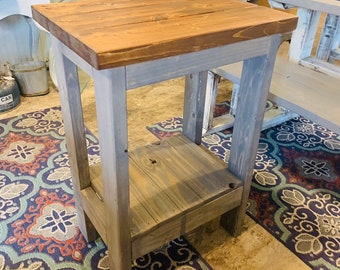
pixel 303 84
pixel 138 200
pixel 305 36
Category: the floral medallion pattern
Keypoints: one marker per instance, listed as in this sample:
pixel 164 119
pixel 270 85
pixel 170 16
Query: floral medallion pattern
pixel 316 219
pixel 38 218
pixel 23 153
pixel 295 192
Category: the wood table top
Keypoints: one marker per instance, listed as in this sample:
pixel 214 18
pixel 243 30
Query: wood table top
pixel 112 33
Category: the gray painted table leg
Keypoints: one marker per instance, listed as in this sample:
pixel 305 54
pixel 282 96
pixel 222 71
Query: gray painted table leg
pixel 110 91
pixel 253 93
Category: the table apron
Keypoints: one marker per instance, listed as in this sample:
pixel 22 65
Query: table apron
pixel 146 73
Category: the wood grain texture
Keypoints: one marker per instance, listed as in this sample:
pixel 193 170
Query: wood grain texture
pixel 170 67
pixel 175 186
pixel 256 75
pixel 71 108
pixel 115 33
pixel 112 129
pixel 180 176
pixel 194 98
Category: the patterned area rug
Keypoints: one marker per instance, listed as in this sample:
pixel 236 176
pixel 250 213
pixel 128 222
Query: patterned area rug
pixel 38 222
pixel 295 192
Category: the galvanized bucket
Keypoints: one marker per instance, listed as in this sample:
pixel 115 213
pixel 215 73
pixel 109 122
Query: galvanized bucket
pixel 31 77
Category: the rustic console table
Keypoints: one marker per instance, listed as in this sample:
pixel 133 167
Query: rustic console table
pixel 138 200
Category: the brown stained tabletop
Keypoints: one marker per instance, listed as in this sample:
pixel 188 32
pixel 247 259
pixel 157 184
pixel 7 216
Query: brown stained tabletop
pixel 112 33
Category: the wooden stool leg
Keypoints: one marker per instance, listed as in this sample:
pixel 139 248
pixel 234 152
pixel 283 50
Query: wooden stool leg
pixel 256 75
pixel 234 99
pixel 68 86
pixel 110 90
pixel 210 100
pixel 195 90
pixel 303 37
pixel 328 37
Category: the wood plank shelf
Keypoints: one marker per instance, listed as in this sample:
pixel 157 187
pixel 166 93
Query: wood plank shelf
pixel 175 186
pixel 307 92
pixel 310 93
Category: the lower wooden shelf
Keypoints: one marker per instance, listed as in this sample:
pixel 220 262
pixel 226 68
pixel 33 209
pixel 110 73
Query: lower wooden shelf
pixel 175 186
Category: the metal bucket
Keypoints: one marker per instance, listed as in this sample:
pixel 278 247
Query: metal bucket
pixel 31 77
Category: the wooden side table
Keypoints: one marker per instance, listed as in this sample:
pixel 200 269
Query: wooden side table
pixel 138 200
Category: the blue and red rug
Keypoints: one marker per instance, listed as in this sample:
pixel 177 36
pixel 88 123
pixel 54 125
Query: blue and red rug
pixel 38 222
pixel 295 193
